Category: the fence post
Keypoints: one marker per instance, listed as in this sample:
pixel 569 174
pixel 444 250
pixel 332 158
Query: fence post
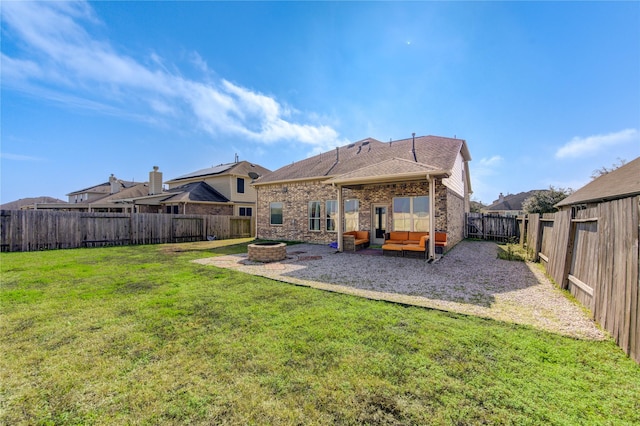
pixel 566 270
pixel 484 228
pixel 131 241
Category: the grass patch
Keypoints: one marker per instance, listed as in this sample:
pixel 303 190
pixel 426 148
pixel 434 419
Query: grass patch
pixel 141 335
pixel 512 251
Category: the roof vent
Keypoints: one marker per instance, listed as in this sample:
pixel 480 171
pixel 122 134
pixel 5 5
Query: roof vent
pixel 413 147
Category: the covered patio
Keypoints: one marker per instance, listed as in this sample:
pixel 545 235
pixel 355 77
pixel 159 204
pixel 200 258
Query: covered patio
pixel 390 172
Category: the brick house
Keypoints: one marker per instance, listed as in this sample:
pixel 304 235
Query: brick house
pixel 510 204
pixel 415 184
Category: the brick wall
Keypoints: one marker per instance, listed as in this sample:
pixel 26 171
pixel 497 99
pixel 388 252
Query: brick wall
pixel 142 208
pixel 455 218
pixel 213 209
pixel 296 197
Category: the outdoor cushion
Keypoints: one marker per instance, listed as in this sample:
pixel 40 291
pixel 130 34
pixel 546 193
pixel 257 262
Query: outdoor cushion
pixel 362 235
pixel 397 237
pixel 441 239
pixel 414 237
pixel 421 246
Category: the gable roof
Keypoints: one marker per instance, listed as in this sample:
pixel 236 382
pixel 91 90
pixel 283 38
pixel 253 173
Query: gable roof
pixel 394 169
pixel 137 190
pixel 620 183
pixel 105 188
pixel 241 168
pixel 195 191
pixel 511 201
pixel 435 152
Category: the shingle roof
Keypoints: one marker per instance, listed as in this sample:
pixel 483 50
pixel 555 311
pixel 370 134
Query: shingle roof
pixel 511 201
pixel 620 183
pixel 395 167
pixel 137 190
pixel 434 151
pixel 195 191
pixel 105 187
pixel 240 168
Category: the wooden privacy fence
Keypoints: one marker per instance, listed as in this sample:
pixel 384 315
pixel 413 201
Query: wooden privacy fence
pixel 29 230
pixel 593 253
pixel 492 227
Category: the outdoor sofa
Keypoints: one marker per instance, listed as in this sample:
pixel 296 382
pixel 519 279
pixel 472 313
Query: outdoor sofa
pixel 354 239
pixel 406 242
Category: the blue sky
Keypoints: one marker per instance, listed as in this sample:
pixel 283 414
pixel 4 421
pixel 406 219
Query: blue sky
pixel 543 92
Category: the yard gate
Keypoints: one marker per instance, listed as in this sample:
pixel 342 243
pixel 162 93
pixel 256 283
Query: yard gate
pixel 492 227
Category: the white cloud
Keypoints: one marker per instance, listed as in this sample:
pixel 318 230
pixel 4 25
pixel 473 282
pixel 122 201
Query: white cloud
pixel 491 161
pixel 63 60
pixel 18 157
pixel 580 147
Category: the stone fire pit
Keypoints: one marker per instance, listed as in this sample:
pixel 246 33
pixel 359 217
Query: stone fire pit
pixel 267 252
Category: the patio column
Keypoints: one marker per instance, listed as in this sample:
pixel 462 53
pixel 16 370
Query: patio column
pixel 339 218
pixel 432 218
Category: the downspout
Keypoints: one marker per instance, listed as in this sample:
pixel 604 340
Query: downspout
pixel 255 217
pixel 432 218
pixel 339 219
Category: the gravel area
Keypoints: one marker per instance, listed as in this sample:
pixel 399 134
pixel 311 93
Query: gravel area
pixel 469 279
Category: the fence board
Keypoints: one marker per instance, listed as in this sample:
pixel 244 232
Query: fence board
pixel 492 227
pixel 584 263
pixel 533 240
pixel 29 230
pixel 596 252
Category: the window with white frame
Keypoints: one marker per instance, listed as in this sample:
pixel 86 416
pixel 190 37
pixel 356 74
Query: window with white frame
pixel 245 211
pixel 275 213
pixel 351 208
pixel 240 185
pixel 314 215
pixel 331 209
pixel 411 214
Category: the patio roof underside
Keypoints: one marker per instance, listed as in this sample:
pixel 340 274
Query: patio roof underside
pixel 389 171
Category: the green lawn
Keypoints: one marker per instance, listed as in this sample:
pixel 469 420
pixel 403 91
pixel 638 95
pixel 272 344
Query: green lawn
pixel 140 335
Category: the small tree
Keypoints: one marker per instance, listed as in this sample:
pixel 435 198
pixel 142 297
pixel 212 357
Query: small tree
pixel 604 170
pixel 475 206
pixel 543 201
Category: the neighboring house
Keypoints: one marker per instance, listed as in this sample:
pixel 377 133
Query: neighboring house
pixel 416 184
pixel 510 204
pixel 27 203
pixel 221 190
pixel 104 197
pixel 622 182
